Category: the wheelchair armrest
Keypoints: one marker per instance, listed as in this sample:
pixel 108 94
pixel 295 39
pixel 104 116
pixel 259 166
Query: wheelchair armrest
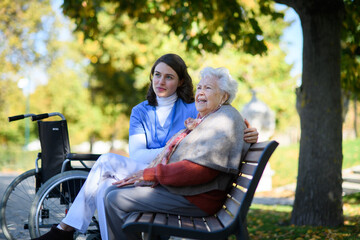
pixel 82 156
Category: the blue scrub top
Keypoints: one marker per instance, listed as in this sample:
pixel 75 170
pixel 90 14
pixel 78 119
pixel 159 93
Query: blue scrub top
pixel 143 120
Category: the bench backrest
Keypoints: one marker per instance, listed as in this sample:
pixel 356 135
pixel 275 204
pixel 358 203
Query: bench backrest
pixel 242 192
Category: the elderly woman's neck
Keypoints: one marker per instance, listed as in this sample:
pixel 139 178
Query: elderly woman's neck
pixel 165 101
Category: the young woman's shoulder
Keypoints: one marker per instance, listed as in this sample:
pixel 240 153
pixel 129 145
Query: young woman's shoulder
pixel 188 107
pixel 142 107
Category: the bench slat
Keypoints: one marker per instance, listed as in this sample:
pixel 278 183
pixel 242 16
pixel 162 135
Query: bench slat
pixel 231 206
pixel 173 220
pixel 186 222
pixel 146 218
pixel 133 217
pixel 253 156
pixel 160 218
pixel 213 223
pixel 243 181
pixel 259 146
pixel 237 194
pixel 248 169
pixel 199 224
pixel 224 217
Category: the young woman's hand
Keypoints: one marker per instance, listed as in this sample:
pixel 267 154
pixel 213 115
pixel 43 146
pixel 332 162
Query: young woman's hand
pixel 251 134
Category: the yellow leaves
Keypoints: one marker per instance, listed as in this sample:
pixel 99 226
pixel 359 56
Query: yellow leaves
pixel 249 3
pixel 93 59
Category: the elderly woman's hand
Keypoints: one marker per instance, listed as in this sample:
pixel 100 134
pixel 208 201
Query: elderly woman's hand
pixel 250 134
pixel 132 179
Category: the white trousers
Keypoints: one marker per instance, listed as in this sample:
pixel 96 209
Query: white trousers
pixel 107 169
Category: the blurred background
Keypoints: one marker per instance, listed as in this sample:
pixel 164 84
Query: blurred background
pixel 49 63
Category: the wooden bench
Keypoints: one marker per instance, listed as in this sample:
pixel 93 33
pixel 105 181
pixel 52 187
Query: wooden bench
pixel 231 219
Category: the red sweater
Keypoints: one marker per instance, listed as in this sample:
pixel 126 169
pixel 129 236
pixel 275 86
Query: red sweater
pixel 186 173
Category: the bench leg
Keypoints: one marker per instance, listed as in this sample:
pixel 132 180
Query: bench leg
pixel 151 236
pixel 243 233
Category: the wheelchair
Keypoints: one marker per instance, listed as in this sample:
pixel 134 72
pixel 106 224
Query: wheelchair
pixel 41 197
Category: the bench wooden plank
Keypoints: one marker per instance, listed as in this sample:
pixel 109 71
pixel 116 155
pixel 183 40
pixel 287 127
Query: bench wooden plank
pixel 237 194
pixel 259 146
pixel 134 217
pixel 173 220
pixel 248 169
pixel 199 224
pixel 160 218
pixel 243 181
pixel 253 156
pixel 213 223
pixel 186 222
pixel 231 206
pixel 146 218
pixel 224 217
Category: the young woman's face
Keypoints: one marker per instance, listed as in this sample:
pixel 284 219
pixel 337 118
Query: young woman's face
pixel 165 80
pixel 208 96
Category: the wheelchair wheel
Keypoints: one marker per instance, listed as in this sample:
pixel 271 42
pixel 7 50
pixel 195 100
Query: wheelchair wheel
pixel 53 201
pixel 15 206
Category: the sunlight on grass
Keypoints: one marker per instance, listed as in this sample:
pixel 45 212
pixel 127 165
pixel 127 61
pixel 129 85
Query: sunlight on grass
pixel 273 222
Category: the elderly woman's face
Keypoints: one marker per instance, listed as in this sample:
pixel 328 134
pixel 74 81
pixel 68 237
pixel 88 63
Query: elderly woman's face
pixel 208 95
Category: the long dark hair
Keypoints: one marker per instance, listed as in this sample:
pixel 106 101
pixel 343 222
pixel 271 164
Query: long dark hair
pixel 185 91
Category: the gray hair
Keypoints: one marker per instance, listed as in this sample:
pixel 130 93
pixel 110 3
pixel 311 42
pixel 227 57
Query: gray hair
pixel 224 80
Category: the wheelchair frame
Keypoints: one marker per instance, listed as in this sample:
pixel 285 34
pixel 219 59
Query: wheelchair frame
pixel 17 219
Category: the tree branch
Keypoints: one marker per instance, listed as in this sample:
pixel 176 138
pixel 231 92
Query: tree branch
pixel 290 3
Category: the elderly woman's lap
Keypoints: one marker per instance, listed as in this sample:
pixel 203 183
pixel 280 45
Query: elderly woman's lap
pixel 121 202
pixel 158 199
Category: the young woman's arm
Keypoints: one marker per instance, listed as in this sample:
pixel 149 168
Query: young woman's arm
pixel 139 151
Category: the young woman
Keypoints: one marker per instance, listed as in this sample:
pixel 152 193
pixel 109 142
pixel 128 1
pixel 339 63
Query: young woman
pixel 170 101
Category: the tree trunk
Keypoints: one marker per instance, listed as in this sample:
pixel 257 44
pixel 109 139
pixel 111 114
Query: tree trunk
pixel 318 197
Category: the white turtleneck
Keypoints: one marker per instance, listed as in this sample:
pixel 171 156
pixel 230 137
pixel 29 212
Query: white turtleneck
pixel 137 142
pixel 164 107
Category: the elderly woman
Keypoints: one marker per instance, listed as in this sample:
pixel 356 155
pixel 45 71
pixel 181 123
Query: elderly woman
pixel 194 170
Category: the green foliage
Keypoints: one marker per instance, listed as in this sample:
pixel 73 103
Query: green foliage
pixel 20 24
pixel 350 62
pixel 11 101
pixel 121 56
pixel 203 25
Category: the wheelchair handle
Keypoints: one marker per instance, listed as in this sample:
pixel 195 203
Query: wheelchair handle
pixel 46 115
pixel 40 116
pixel 19 117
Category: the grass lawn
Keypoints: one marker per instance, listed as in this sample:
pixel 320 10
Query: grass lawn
pixel 284 161
pixel 272 222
